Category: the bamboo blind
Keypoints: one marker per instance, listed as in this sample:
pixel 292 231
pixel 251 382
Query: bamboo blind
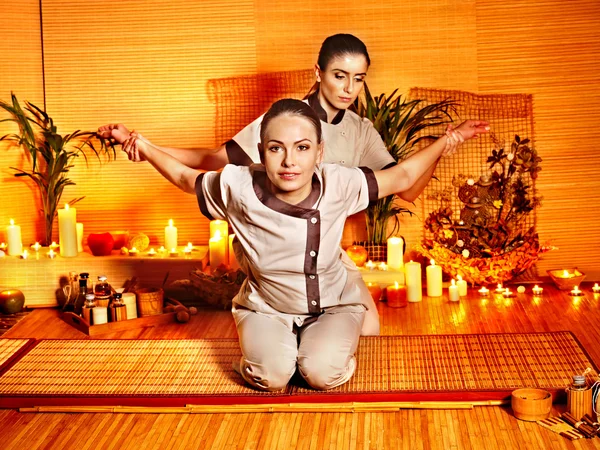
pixel 147 64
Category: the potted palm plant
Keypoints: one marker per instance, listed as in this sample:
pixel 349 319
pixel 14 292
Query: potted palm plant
pixel 403 125
pixel 52 155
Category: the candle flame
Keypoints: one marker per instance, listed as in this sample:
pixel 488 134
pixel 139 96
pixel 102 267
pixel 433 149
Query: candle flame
pixel 170 222
pixel 453 282
pixel 458 277
pixel 565 274
pixel 190 245
pixel 216 236
pixel 396 284
pixel 432 262
pixel 12 222
pixel 172 250
pixel 499 285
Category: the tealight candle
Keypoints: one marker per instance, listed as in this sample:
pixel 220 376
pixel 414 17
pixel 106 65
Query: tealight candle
pixel 537 290
pixel 24 255
pixel 375 291
pixel 434 280
pixel 53 246
pixel 462 286
pixel 3 246
pixel 576 291
pixel 152 252
pixel 484 292
pixel 453 294
pixel 370 265
pixel 13 236
pixel 36 247
pixel 596 289
pixel 382 266
pixel 507 293
pixel 162 249
pixel 133 251
pixel 187 251
pixel 499 289
pixel 173 252
pixel 396 295
pixel 190 246
pixel 51 254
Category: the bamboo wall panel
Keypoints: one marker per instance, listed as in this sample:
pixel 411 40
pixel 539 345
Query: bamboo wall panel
pixel 21 73
pixel 542 49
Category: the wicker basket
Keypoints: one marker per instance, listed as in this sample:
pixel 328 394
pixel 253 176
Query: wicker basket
pixel 484 271
pixel 149 301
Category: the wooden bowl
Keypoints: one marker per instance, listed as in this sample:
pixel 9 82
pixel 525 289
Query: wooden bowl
pixel 575 277
pixel 531 404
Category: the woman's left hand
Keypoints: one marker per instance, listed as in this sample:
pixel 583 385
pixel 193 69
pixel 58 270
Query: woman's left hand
pixel 131 147
pixel 470 129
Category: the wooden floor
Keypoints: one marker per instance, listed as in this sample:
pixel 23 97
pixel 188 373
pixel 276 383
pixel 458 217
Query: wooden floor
pixel 480 428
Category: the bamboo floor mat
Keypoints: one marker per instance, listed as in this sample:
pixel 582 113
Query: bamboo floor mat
pixel 10 349
pixel 473 367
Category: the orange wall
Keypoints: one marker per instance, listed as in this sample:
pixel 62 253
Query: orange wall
pixel 147 64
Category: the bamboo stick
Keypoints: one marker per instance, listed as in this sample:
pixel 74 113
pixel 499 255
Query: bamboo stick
pixel 265 408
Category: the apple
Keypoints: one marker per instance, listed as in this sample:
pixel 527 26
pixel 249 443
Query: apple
pixel 358 254
pixel 101 244
pixel 11 301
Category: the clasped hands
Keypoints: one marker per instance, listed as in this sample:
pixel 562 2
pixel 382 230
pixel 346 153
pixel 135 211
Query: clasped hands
pixel 469 129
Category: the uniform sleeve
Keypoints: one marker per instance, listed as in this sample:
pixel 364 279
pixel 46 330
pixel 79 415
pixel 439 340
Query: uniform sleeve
pixel 208 193
pixel 242 150
pixel 357 187
pixel 375 155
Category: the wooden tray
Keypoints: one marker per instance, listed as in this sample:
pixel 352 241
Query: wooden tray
pixel 92 330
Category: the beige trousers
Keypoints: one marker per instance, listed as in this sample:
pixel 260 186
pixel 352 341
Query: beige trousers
pixel 320 347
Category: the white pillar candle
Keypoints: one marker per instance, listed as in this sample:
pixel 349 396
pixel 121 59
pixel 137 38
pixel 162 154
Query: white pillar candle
pixel 462 286
pixel 67 231
pixel 233 263
pixel 170 235
pixel 414 290
pixel 395 248
pixel 453 294
pixel 79 237
pixel 217 247
pixel 434 280
pixel 13 236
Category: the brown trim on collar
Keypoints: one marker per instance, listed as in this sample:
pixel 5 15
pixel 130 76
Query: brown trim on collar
pixel 236 154
pixel 302 210
pixel 201 198
pixel 313 102
pixel 371 184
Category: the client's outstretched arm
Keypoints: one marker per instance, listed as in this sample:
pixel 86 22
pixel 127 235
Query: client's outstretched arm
pixel 169 167
pixel 198 158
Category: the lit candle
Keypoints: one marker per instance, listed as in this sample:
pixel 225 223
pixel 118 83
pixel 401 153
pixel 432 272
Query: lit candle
pixel 133 251
pixel 24 255
pixel 190 246
pixel 434 280
pixel 36 247
pixel 453 294
pixel 187 251
pixel 67 231
pixel 370 265
pixel 216 250
pixel 396 295
pixel 13 236
pixel 537 290
pixel 170 235
pixel 576 291
pixel 3 246
pixel 567 274
pixel 596 289
pixel 222 227
pixel 382 266
pixel 162 249
pixel 507 293
pixel 499 289
pixel 152 252
pixel 375 291
pixel 53 246
pixel 51 254
pixel 173 252
pixel 79 226
pixel 462 286
pixel 412 273
pixel 233 262
pixel 395 253
pixel 484 292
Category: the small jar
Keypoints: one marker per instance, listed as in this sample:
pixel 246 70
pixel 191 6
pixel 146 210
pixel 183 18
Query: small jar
pixel 118 310
pixel 102 292
pixel 86 310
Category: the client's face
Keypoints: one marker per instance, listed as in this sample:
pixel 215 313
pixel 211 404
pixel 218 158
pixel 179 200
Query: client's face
pixel 290 153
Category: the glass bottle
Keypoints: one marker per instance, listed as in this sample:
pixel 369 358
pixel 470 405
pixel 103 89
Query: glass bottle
pixel 86 310
pixel 83 290
pixel 118 310
pixel 102 292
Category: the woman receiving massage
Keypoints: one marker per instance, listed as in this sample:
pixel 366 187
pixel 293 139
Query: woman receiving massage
pixel 349 140
pixel 299 307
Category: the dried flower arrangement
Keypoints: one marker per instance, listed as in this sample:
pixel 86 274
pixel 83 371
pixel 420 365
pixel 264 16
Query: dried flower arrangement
pixel 492 240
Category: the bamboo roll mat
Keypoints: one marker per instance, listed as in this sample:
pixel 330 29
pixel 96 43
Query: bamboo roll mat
pixel 390 368
pixel 10 350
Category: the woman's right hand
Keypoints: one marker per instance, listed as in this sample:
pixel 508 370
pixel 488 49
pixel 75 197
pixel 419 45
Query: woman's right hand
pixel 132 145
pixel 116 131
